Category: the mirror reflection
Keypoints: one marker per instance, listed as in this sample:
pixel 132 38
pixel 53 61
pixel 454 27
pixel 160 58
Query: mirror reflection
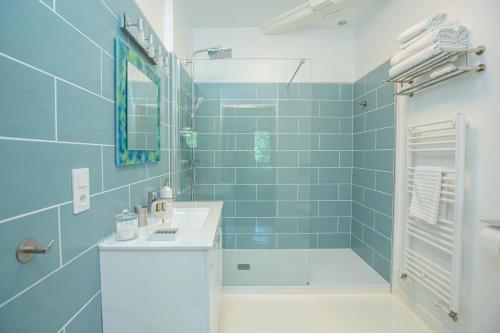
pixel 142 110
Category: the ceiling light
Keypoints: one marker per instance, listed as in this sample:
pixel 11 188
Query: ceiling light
pixel 303 15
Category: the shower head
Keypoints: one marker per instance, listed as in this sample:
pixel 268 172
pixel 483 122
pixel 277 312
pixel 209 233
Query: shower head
pixel 220 53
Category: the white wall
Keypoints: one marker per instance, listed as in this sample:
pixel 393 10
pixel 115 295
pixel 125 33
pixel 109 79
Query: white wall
pixel 477 98
pixel 155 10
pixel 331 51
pixel 182 30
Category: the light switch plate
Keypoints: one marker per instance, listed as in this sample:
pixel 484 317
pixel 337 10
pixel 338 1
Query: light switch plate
pixel 81 190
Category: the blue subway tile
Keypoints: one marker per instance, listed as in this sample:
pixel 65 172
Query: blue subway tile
pixel 359 88
pixel 345 224
pixel 318 224
pixel 256 176
pixel 244 158
pixel 239 225
pixel 77 112
pixel 139 192
pixel 267 90
pixel 63 294
pixel 118 176
pixel 382 266
pixel 215 176
pixel 335 108
pixel 238 91
pixel 288 92
pixel 328 91
pixel 362 250
pixel 39 28
pixel 204 192
pixel 346 91
pixel 363 214
pixel 319 125
pixel 357 228
pixel 363 177
pixel 357 194
pixel 235 192
pixel 345 191
pixel 364 141
pixel 89 319
pixel 379 201
pixel 297 176
pixel 371 103
pixel 276 225
pixel 297 208
pixel 79 232
pixel 385 95
pixel 383 224
pixel 298 141
pixel 336 142
pixel 28 105
pixel 277 192
pixel 228 241
pixel 380 118
pixel 239 125
pixel 334 175
pixel 256 208
pixel 385 138
pixel 377 76
pixel 378 242
pixel 346 159
pixel 298 108
pixel 37 165
pixel 334 241
pixel 15 276
pixel 385 182
pixel 108 77
pixel 346 125
pixel 104 28
pixel 319 158
pixel 296 241
pixel 279 159
pixel 335 208
pixel 382 160
pixel 255 241
pixel 359 123
pixel 319 192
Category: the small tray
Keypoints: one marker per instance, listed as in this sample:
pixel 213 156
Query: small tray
pixel 163 234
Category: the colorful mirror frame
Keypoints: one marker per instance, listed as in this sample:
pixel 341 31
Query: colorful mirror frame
pixel 124 156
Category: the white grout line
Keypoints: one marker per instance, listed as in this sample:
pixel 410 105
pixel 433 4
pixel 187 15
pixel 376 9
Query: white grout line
pixel 100 73
pixel 56 137
pixel 102 168
pixel 53 10
pixel 50 274
pixel 8 138
pixel 109 9
pixel 81 309
pixel 59 235
pixel 54 76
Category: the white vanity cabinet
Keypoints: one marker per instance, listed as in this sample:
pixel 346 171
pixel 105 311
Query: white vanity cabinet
pixel 161 288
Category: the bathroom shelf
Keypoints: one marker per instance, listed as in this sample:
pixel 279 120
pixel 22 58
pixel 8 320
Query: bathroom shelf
pixel 417 78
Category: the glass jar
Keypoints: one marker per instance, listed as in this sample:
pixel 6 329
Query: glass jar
pixel 126 226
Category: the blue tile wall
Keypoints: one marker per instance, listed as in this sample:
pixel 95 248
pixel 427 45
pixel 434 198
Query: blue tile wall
pixel 373 170
pixel 57 92
pixel 284 171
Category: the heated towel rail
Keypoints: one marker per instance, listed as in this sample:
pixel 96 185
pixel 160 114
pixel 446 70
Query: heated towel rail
pixel 433 253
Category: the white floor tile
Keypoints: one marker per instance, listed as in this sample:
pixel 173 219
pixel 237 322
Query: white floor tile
pixel 371 313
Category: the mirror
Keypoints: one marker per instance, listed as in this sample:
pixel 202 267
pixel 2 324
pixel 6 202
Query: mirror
pixel 142 110
pixel 137 115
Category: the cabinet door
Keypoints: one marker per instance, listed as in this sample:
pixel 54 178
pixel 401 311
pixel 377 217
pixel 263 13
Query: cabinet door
pixel 215 279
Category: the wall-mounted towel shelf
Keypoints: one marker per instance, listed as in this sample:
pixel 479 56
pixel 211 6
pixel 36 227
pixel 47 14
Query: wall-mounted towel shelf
pixel 417 77
pixel 248 106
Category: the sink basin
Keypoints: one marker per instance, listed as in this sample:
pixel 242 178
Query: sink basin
pixel 189 218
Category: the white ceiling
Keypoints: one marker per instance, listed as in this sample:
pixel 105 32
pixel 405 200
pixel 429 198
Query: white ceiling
pixel 253 13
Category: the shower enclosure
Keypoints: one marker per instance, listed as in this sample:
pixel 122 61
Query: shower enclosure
pixel 277 148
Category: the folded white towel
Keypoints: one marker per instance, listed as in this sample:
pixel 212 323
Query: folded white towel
pixel 421 27
pixel 450 35
pixel 443 70
pixel 415 59
pixel 426 195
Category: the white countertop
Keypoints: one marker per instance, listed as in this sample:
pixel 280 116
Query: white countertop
pixel 187 239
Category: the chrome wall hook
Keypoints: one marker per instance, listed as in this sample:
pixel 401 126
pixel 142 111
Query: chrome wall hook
pixel 28 248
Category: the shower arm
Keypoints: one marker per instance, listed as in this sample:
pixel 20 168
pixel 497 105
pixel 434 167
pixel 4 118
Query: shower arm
pixel 302 61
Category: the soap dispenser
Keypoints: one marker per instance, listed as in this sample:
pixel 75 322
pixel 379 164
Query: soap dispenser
pixel 166 195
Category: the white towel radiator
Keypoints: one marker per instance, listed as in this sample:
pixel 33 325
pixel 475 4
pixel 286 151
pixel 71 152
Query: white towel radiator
pixel 433 253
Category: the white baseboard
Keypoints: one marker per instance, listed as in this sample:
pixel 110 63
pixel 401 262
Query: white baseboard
pixel 420 311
